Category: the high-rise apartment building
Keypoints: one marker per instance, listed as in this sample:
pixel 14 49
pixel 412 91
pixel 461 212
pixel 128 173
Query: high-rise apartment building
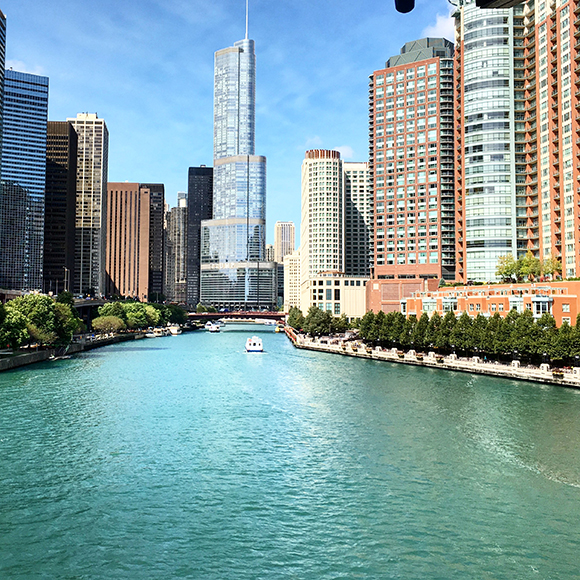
pixel 322 216
pixel 128 246
pixel 2 73
pixel 91 195
pixel 23 174
pixel 234 273
pixel 284 240
pixel 199 208
pixel 358 219
pixel 156 238
pixel 292 280
pixel 176 253
pixel 60 198
pixel 411 153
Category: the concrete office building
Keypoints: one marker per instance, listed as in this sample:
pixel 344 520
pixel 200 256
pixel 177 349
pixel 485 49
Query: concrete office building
pixel 23 173
pixel 128 243
pixel 411 153
pixel 358 219
pixel 292 280
pixel 91 208
pixel 284 240
pixel 176 253
pixel 60 199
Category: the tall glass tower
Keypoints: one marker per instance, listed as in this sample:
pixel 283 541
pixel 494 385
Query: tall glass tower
pixel 234 273
pixel 23 181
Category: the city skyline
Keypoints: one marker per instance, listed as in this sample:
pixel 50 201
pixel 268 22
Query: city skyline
pixel 100 60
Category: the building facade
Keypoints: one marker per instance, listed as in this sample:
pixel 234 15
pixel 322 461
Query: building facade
pixel 322 215
pixel 91 208
pixel 560 299
pixel 156 239
pixel 284 240
pixel 234 271
pixel 23 173
pixel 292 280
pixel 128 244
pixel 176 253
pixel 358 219
pixel 60 199
pixel 199 208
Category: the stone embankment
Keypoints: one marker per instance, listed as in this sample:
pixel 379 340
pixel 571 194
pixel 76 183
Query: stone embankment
pixel 21 359
pixel 473 365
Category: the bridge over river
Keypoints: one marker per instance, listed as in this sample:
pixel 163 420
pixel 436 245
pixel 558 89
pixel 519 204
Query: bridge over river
pixel 242 315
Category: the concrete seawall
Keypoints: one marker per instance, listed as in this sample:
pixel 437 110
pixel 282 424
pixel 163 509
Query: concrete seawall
pixel 451 362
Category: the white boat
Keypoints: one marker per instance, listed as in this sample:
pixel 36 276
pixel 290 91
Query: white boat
pixel 212 327
pixel 150 335
pixel 254 344
pixel 175 329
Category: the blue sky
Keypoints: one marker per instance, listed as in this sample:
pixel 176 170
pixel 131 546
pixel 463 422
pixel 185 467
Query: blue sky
pixel 146 67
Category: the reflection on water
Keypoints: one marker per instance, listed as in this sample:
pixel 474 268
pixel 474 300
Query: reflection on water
pixel 189 458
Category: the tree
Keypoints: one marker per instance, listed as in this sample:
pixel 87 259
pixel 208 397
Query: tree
pixel 396 322
pixel 200 308
pixel 419 331
pixel 461 335
pixel 66 323
pixel 447 326
pixel 551 266
pixel 152 315
pixel 175 314
pixel 433 328
pixel 491 333
pixel 318 322
pixel 506 268
pixel 367 325
pixel 14 331
pixel 547 334
pixel 295 318
pixel 65 297
pixel 478 329
pixel 135 313
pixel 525 335
pixel 108 324
pixel 380 326
pixel 562 347
pixel 407 331
pixel 114 309
pixel 529 266
pixel 340 324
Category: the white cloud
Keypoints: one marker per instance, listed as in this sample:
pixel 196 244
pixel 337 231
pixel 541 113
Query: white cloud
pixel 346 152
pixel 313 142
pixel 444 27
pixel 20 66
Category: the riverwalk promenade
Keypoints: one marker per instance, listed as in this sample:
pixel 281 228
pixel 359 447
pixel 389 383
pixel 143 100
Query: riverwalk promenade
pixel 474 365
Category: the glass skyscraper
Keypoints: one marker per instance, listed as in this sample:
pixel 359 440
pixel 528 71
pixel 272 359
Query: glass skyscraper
pixel 23 180
pixel 234 273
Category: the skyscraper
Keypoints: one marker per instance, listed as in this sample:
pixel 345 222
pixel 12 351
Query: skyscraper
pixel 59 222
pixel 127 249
pixel 411 152
pixel 176 252
pixel 199 208
pixel 156 238
pixel 23 180
pixel 284 240
pixel 2 73
pixel 91 209
pixel 234 273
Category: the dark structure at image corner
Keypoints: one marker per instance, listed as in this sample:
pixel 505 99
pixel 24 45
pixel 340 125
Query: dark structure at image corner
pixel 405 6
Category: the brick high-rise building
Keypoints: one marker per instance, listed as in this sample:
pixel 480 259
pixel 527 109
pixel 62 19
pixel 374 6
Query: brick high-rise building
pixel 156 239
pixel 411 156
pixel 128 245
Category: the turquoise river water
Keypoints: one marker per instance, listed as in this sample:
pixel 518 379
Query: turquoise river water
pixel 184 457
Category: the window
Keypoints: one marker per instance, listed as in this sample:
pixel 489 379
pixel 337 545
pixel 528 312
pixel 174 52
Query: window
pixel 336 294
pixel 337 309
pixel 565 307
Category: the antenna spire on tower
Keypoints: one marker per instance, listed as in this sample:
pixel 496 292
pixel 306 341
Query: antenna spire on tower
pixel 246 19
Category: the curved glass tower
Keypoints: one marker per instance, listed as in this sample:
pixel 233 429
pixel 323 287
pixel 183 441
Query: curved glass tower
pixel 234 273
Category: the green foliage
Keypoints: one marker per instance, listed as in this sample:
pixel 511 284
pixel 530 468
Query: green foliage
pixel 200 308
pixel 114 309
pixel 433 329
pixel 318 322
pixel 405 338
pixel 420 330
pixel 65 298
pixel 367 323
pixel 444 335
pixel 295 318
pixel 340 324
pixel 461 335
pixel 108 324
pixel 506 268
pixel 14 331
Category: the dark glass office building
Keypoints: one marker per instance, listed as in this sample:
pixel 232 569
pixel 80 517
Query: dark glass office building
pixel 156 239
pixel 23 180
pixel 60 201
pixel 199 207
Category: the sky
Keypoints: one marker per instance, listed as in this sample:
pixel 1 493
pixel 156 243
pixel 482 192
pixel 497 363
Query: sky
pixel 146 67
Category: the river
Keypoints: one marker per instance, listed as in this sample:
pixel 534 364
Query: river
pixel 185 457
